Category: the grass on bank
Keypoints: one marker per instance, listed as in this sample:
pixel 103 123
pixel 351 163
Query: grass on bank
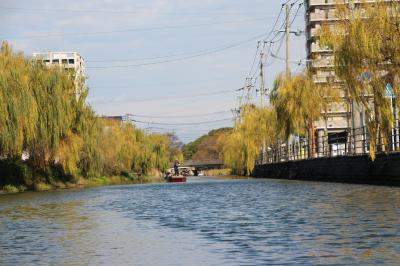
pixel 16 176
pixel 92 182
pixel 218 172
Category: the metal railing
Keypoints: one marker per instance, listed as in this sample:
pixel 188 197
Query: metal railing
pixel 351 142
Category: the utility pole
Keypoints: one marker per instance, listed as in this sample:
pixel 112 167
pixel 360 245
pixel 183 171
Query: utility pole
pixel 261 79
pixel 287 30
pixel 248 88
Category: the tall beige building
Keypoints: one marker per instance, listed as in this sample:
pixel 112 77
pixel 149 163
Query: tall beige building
pixel 71 61
pixel 342 117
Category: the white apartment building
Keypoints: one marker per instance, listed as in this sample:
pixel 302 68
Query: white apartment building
pixel 345 116
pixel 71 61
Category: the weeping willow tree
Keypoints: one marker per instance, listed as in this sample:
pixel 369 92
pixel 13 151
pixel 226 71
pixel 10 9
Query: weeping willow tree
pixel 56 137
pixel 366 48
pixel 45 118
pixel 154 153
pixel 299 103
pixel 254 129
pixel 19 110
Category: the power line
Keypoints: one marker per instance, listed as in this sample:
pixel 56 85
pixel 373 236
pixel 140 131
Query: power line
pixel 108 11
pixel 182 116
pixel 165 56
pixel 269 34
pixel 282 38
pixel 268 58
pixel 181 58
pixel 175 130
pixel 53 35
pixel 169 98
pixel 182 124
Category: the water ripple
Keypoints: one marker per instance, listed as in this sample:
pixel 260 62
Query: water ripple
pixel 242 222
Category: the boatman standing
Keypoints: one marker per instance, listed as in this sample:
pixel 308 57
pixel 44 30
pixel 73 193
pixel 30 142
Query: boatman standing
pixel 176 165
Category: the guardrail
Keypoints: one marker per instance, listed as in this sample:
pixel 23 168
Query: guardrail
pixel 346 143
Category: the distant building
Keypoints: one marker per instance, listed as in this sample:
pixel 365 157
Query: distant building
pixel 120 118
pixel 116 118
pixel 71 61
pixel 321 63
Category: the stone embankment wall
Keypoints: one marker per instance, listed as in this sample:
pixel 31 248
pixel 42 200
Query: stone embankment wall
pixel 385 170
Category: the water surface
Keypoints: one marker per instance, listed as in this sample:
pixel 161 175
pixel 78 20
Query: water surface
pixel 204 222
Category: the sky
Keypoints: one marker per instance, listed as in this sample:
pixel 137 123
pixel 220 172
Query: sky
pixel 175 65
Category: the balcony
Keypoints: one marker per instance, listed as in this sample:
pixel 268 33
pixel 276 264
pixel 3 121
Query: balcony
pixel 315 48
pixel 316 3
pixel 323 15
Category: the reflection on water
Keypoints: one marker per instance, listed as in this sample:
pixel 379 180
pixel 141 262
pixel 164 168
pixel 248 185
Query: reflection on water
pixel 242 222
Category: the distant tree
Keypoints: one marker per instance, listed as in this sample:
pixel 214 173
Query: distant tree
pixel 206 147
pixel 175 147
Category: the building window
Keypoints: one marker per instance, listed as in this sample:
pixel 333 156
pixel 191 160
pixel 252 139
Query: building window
pixel 64 61
pixel 71 61
pixel 56 61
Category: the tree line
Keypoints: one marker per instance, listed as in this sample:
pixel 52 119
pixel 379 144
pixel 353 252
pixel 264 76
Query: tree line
pixel 48 131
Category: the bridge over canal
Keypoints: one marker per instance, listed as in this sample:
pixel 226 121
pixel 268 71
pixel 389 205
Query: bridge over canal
pixel 204 164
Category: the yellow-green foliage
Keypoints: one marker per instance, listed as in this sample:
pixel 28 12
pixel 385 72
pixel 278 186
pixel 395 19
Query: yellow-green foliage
pixel 255 128
pixel 40 186
pixel 122 148
pixel 14 189
pixel 368 46
pixel 298 103
pixel 43 116
pixel 18 108
pixel 68 152
pixel 218 172
pixel 206 147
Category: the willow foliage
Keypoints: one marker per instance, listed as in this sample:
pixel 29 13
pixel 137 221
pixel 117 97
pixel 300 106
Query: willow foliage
pixel 45 115
pixel 367 58
pixel 254 129
pixel 298 102
pixel 19 111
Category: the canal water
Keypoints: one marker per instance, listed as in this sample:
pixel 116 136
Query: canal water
pixel 204 222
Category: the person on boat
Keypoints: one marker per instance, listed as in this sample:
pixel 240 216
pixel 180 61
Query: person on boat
pixel 176 165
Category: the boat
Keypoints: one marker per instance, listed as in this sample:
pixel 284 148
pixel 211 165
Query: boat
pixel 176 179
pixel 169 177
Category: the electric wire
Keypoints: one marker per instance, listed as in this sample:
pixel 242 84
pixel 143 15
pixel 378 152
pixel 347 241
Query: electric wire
pixel 269 57
pixel 182 124
pixel 180 116
pixel 181 58
pixel 162 56
pixel 269 34
pixel 166 98
pixel 183 26
pixel 118 12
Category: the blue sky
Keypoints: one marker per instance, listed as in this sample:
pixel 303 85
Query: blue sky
pixel 109 33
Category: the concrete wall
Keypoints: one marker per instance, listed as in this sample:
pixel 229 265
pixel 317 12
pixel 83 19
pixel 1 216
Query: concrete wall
pixel 385 170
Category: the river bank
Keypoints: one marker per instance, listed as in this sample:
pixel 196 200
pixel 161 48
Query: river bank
pixel 81 183
pixel 384 170
pixel 19 176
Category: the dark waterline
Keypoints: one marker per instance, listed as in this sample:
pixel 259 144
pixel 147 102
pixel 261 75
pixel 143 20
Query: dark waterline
pixel 208 222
